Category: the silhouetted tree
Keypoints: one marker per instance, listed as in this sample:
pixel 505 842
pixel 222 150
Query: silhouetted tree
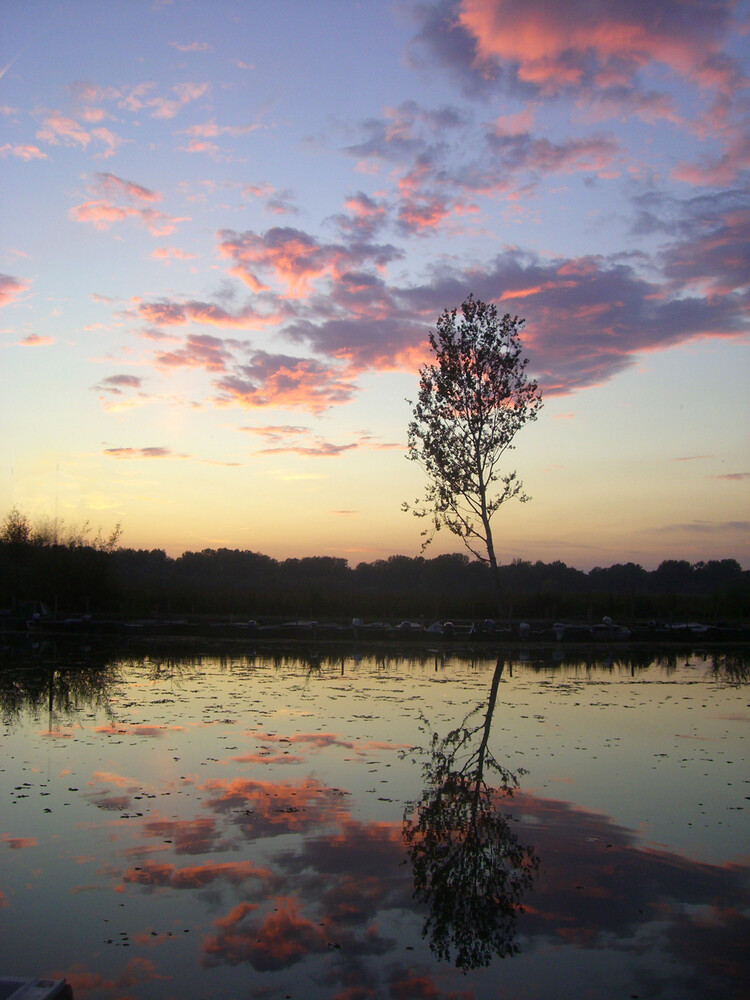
pixel 472 402
pixel 16 528
pixel 469 867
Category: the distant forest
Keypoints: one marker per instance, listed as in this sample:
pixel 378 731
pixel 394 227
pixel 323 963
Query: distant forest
pixel 97 577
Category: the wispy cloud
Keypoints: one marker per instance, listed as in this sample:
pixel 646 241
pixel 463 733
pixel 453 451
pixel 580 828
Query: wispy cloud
pixel 150 452
pixel 703 527
pixel 191 46
pixel 115 384
pixel 116 199
pixel 295 440
pixel 23 152
pixel 36 340
pixel 168 313
pixel 171 253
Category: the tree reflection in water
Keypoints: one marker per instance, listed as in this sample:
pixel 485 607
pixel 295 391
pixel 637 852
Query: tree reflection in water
pixel 469 866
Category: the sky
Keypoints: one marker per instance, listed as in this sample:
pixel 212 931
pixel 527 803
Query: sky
pixel 229 226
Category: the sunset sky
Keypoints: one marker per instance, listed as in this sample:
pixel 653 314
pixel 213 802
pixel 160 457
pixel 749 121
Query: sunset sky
pixel 228 227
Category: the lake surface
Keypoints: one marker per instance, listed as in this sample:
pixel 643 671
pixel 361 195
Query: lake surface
pixel 273 825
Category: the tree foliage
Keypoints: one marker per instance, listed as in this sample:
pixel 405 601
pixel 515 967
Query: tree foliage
pixel 16 528
pixel 473 399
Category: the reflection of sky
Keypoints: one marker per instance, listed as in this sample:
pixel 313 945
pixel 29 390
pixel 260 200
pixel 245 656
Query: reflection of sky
pixel 210 819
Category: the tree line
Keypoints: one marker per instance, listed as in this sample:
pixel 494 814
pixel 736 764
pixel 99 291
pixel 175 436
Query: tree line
pixel 74 574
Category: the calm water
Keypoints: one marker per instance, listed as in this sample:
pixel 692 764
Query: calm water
pixel 253 826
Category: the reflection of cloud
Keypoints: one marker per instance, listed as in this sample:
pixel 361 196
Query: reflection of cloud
pixel 267 758
pixel 138 729
pixel 321 741
pixel 614 879
pixel 112 778
pixel 280 940
pixel 82 981
pixel 187 836
pixel 110 803
pixel 18 843
pixel 266 808
pixel 152 873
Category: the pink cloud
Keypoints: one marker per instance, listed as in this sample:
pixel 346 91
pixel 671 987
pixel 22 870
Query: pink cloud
pixel 722 170
pixel 134 99
pixel 11 288
pixel 282 381
pixel 257 190
pixel 203 351
pixel 162 107
pixel 57 128
pixel 109 139
pixel 364 215
pixel 295 258
pixel 520 151
pixel 179 313
pixel 550 44
pixel 36 340
pixel 714 256
pixel 103 212
pixel 26 152
pixel 191 46
pixel 599 54
pixel 113 185
pixel 158 223
pixel 210 130
pixel 171 253
pixel 201 146
pixel 100 213
pixel 438 180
